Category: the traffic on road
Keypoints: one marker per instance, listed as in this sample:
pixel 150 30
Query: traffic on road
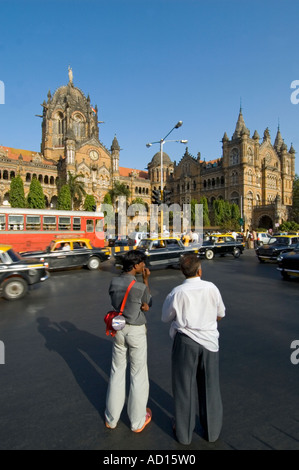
pixel 57 361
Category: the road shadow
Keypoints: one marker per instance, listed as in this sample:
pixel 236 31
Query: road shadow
pixel 89 359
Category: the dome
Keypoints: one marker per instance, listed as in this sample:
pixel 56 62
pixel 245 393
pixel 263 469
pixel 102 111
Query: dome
pixel 156 160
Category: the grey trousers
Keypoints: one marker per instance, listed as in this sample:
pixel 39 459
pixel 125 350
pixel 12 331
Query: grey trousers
pixel 195 378
pixel 129 344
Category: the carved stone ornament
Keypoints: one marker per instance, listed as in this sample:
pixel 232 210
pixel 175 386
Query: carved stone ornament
pixel 37 158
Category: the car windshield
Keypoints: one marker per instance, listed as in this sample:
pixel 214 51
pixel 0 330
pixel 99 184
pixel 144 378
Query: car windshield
pixel 14 256
pixel 279 240
pixel 144 244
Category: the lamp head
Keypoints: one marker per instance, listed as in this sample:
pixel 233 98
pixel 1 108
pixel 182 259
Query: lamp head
pixel 184 141
pixel 148 145
pixel 179 124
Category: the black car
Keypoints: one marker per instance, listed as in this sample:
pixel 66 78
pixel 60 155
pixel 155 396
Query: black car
pixel 118 241
pixel 159 252
pixel 277 245
pixel 221 245
pixel 70 252
pixel 17 273
pixel 288 263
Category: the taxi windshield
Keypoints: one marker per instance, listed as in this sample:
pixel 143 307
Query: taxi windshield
pixel 279 240
pixel 144 244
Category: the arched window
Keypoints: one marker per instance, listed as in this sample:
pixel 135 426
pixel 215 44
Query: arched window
pixel 250 177
pixel 58 129
pixel 234 198
pixel 78 125
pixel 249 200
pixel 234 157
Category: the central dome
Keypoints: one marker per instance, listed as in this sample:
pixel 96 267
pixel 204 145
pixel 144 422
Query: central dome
pixel 156 160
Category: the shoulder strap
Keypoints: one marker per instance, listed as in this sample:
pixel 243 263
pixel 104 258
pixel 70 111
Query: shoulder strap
pixel 126 296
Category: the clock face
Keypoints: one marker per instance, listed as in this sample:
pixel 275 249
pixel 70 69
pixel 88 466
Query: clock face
pixel 94 155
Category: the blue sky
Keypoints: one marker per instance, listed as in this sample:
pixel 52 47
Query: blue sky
pixel 150 63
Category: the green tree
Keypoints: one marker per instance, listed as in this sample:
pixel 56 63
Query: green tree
pixel 36 198
pixel 206 220
pixel 218 211
pixel 16 193
pixel 64 200
pixel 89 202
pixel 295 209
pixel 77 190
pixel 119 189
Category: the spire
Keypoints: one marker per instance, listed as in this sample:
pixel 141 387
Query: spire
pixel 115 144
pixel 278 140
pixel 240 126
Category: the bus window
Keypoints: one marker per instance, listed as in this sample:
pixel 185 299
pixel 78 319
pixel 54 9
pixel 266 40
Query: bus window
pixel 49 222
pixel 33 222
pixel 89 225
pixel 76 223
pixel 15 222
pixel 64 223
pixel 99 225
pixel 2 222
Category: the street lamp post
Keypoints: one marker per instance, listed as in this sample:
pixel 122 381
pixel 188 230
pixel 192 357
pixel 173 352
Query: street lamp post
pixel 162 142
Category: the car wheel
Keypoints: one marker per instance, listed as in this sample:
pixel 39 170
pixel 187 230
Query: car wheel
pixel 237 252
pixel 209 254
pixel 14 288
pixel 93 263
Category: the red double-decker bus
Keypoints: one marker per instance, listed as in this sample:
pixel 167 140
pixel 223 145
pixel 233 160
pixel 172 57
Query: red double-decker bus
pixel 33 229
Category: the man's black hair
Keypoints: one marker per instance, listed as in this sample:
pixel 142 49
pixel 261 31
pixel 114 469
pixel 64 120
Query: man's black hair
pixel 131 258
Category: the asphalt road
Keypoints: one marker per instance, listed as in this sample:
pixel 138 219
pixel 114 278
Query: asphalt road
pixel 57 360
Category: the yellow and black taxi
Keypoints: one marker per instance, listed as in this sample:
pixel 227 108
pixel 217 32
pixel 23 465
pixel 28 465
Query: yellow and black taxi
pixel 17 273
pixel 160 252
pixel 277 244
pixel 65 253
pixel 221 244
pixel 288 263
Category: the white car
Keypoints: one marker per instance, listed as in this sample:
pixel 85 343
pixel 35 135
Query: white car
pixel 136 237
pixel 262 238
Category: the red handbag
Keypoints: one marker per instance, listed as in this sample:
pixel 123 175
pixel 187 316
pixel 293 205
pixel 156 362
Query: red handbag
pixel 110 316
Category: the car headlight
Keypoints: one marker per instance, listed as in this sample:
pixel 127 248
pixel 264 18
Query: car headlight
pixel 279 258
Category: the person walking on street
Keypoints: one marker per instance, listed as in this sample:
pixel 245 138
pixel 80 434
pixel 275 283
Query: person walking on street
pixel 194 308
pixel 130 343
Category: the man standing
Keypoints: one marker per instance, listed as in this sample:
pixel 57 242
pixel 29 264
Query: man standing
pixel 194 308
pixel 130 343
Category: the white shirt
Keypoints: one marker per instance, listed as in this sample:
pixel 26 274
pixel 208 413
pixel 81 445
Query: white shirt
pixel 193 308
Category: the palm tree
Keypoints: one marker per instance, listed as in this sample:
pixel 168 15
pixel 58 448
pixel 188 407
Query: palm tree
pixel 119 189
pixel 76 188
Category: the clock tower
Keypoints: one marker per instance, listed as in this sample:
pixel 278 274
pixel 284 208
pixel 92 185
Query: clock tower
pixel 70 139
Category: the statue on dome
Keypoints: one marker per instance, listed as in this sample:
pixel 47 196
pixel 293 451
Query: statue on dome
pixel 70 74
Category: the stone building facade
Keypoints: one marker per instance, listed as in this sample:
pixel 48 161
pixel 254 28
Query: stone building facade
pixel 256 175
